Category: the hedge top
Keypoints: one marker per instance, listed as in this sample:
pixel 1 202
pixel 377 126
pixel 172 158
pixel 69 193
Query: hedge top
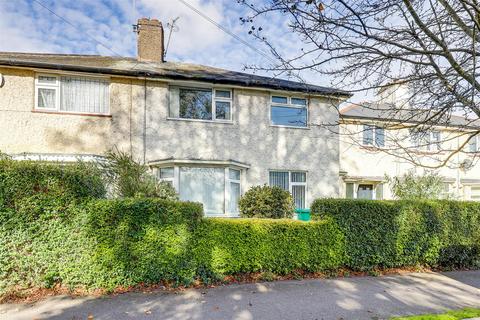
pixel 24 179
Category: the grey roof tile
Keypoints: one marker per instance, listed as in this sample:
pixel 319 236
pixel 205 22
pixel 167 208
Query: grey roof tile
pixel 128 66
pixel 392 114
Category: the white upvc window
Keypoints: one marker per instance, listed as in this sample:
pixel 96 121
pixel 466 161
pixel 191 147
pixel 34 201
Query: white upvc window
pixel 232 191
pixel 288 111
pixel 294 182
pixel 373 136
pixel 205 104
pixel 72 94
pixel 217 188
pixel 364 190
pixel 474 144
pixel 429 140
pixel 47 92
pixel 475 193
pixel 166 174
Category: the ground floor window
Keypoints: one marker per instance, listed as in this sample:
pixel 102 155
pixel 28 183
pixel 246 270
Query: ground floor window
pixel 475 193
pixel 217 188
pixel 361 190
pixel 293 181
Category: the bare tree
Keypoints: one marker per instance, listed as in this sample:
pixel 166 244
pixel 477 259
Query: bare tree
pixel 430 46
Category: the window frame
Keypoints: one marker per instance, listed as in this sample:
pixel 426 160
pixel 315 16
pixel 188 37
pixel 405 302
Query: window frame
pixel 176 183
pixel 170 179
pixel 58 89
pixel 292 106
pixel 475 140
pixel 228 182
pixel 431 145
pixel 213 106
pixel 476 198
pixel 356 184
pixel 55 86
pixel 373 129
pixel 291 183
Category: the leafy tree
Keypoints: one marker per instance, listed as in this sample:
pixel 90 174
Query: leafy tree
pixel 416 187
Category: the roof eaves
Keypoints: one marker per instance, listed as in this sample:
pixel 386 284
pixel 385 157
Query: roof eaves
pixel 172 76
pixel 343 116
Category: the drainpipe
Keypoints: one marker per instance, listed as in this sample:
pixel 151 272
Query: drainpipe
pixel 145 120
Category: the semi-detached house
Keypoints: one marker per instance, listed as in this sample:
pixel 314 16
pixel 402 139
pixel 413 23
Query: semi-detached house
pixel 385 138
pixel 212 133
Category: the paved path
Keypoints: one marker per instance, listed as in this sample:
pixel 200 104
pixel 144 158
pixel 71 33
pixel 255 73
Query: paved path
pixel 346 298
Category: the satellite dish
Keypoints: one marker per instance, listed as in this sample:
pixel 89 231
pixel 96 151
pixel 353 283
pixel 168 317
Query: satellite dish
pixel 2 80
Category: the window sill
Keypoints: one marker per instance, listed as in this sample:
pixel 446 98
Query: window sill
pixel 204 121
pixel 372 148
pixel 73 113
pixel 289 127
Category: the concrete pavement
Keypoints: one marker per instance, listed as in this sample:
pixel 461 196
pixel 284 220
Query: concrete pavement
pixel 328 299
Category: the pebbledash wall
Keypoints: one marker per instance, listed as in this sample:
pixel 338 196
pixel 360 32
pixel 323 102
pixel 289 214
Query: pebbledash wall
pixel 249 142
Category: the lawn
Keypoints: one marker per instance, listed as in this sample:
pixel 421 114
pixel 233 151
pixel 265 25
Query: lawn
pixel 450 315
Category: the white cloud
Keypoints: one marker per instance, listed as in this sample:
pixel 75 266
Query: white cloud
pixel 26 26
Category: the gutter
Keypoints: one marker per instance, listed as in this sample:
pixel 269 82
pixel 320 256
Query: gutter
pixel 344 117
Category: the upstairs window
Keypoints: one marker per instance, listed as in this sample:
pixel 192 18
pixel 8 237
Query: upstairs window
pixel 200 104
pixel 426 140
pixel 289 111
pixel 473 144
pixel 72 94
pixel 373 136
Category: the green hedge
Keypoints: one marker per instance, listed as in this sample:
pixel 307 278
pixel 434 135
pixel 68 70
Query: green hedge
pixel 384 234
pixel 54 229
pixel 110 243
pixel 228 246
pixel 97 244
pixel 143 240
pixel 24 179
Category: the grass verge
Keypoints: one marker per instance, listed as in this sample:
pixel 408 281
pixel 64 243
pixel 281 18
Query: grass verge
pixel 466 313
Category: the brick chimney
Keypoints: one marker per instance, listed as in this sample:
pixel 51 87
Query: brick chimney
pixel 150 45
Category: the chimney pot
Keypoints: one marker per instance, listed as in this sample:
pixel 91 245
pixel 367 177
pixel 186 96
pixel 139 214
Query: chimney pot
pixel 150 40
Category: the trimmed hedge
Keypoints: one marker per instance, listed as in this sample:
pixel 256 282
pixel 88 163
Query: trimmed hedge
pixel 54 229
pixel 384 234
pixel 24 179
pixel 98 244
pixel 228 246
pixel 143 240
pixel 110 243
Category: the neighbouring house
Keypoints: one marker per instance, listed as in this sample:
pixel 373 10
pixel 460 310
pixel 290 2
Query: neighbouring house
pixel 212 133
pixel 376 140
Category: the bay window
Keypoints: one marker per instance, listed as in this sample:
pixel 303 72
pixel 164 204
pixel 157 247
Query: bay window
pixel 217 188
pixel 200 104
pixel 294 182
pixel 288 111
pixel 73 94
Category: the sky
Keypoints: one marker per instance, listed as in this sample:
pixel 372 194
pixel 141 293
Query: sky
pixel 105 27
